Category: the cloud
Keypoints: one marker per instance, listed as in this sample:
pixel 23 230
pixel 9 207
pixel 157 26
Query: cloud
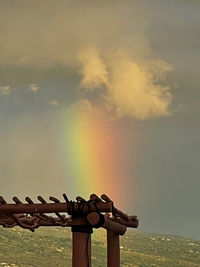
pixel 5 90
pixel 33 87
pixel 107 38
pixel 63 28
pixel 54 103
pixel 131 87
pixel 29 159
pixel 93 70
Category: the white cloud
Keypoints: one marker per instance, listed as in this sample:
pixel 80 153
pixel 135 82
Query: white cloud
pixel 54 103
pixel 93 71
pixel 131 87
pixel 33 87
pixel 5 90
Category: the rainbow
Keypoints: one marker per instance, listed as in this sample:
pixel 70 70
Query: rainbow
pixel 90 151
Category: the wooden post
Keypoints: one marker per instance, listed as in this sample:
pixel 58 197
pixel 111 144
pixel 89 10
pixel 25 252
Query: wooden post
pixel 81 256
pixel 114 229
pixel 113 250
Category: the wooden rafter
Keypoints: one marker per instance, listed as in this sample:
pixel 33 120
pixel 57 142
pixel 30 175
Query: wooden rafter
pixel 32 215
pixel 82 217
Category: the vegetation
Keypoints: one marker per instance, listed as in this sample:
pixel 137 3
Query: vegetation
pixel 49 247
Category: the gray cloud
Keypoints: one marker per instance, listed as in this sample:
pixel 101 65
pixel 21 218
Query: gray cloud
pixel 5 90
pixel 29 160
pixel 43 38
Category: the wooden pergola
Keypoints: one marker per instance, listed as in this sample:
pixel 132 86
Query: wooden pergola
pixel 82 217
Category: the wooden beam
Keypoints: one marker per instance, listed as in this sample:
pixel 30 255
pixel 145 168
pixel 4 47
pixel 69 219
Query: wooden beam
pixel 93 219
pixel 115 227
pixel 132 221
pixel 7 209
pixel 11 221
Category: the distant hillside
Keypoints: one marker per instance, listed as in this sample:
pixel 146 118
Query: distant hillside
pixel 49 247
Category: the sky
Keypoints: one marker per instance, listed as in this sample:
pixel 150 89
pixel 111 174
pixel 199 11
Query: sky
pixel 103 97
